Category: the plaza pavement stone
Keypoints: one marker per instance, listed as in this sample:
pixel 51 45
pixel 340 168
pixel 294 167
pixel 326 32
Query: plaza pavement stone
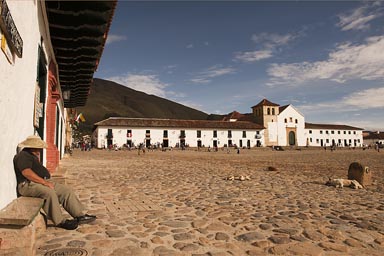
pixel 178 203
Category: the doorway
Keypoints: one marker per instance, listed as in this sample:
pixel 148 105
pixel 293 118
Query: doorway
pixel 292 138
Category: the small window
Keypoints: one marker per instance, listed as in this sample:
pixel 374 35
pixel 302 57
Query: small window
pixel 349 132
pixel 321 132
pixel 326 132
pixel 296 121
pixel 290 119
pixel 310 139
pixel 165 134
pixel 268 111
pixel 354 132
pixel 229 134
pixel 244 134
pixel 285 120
pixel 198 134
pixel 338 132
pixel 310 131
pixel 332 132
pixel 327 140
pixel 345 132
pixel 273 111
pixel 317 141
pixel 129 133
pixel 182 134
pixel 214 134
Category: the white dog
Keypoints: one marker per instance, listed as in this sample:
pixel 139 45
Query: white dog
pixel 340 183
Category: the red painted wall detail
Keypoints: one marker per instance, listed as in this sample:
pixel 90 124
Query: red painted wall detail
pixel 53 97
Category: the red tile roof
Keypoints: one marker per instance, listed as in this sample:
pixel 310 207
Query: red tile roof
pixel 233 115
pixel 281 109
pixel 265 102
pixel 177 123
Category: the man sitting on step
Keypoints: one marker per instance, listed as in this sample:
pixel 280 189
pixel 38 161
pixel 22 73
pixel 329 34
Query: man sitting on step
pixel 33 181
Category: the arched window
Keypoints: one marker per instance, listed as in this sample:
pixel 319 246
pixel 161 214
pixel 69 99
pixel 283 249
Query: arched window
pixel 285 120
pixel 273 111
pixel 268 111
pixel 296 121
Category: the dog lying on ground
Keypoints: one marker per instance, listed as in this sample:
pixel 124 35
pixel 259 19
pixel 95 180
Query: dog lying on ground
pixel 340 183
pixel 241 177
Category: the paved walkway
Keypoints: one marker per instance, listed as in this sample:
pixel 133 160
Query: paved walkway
pixel 178 203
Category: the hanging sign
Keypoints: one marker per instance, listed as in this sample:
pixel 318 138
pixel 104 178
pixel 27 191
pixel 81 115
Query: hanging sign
pixel 9 29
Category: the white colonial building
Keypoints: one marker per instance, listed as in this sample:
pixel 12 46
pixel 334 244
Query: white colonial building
pixel 333 135
pixel 286 126
pixel 131 132
pixel 269 124
pixel 46 66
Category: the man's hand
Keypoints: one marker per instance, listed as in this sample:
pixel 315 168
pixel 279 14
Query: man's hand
pixel 32 176
pixel 49 184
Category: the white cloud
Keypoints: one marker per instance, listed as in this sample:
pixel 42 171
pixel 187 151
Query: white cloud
pixel 270 40
pixel 346 62
pixel 361 100
pixel 253 56
pixel 170 68
pixel 359 18
pixel 115 38
pixel 146 83
pixel 366 99
pixel 212 72
pixel 267 44
pixel 200 80
pixel 190 46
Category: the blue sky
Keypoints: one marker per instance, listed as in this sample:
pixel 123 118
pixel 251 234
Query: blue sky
pixel 325 58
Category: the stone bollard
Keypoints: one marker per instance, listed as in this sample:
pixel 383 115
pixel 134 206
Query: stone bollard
pixel 360 173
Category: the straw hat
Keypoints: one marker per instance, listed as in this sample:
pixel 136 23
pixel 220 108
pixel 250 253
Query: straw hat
pixel 32 141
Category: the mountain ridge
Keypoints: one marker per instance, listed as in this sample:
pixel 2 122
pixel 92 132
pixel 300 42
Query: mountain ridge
pixel 110 99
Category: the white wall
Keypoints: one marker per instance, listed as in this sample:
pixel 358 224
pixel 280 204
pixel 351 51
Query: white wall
pixel 327 135
pixel 291 115
pixel 17 90
pixel 156 135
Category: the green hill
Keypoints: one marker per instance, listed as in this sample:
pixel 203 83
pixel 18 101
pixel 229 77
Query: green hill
pixel 109 99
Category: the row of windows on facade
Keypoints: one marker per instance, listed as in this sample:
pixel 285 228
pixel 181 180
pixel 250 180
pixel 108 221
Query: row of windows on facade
pixel 290 120
pixel 333 132
pixel 339 141
pixel 182 133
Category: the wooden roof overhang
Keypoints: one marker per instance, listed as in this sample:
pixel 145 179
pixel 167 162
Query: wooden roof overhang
pixel 78 32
